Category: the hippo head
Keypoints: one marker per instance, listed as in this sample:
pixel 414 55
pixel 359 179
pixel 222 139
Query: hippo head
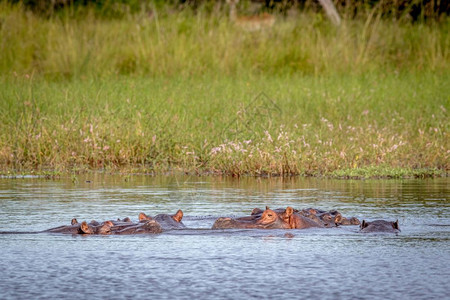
pixel 267 217
pixel 272 219
pixel 104 228
pixel 379 226
pixel 348 221
pixel 170 221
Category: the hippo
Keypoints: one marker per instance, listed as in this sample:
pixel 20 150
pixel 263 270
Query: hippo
pixel 348 221
pixel 166 221
pixel 326 218
pixel 330 218
pixel 303 218
pixel 269 219
pixel 150 226
pixel 121 224
pixel 257 213
pixel 103 228
pixel 83 228
pixel 298 221
pixel 379 226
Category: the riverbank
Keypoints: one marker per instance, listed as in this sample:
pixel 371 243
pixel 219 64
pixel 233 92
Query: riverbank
pixel 383 124
pixel 189 92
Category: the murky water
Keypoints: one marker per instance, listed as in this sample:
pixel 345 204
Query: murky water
pixel 202 263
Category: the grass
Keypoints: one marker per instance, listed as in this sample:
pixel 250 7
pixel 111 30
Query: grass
pixel 184 91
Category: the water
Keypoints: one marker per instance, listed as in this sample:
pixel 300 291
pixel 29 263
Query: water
pixel 202 263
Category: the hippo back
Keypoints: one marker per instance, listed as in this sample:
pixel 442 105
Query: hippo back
pixel 167 222
pixel 379 226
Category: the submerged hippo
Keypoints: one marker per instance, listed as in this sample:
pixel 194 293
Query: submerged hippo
pixel 268 219
pixel 330 218
pixel 298 221
pixel 83 228
pixel 150 226
pixel 349 221
pixel 146 224
pixel 319 218
pixel 166 221
pixel 379 226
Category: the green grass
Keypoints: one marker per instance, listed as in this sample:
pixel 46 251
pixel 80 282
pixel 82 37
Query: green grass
pixel 183 91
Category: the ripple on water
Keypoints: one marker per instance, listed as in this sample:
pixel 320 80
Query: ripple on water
pixel 202 263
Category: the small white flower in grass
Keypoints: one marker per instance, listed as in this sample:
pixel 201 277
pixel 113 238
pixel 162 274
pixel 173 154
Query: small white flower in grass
pixel 215 150
pixel 269 137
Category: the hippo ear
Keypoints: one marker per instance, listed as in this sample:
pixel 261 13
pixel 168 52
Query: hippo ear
pixel 364 224
pixel 178 216
pixel 84 228
pixel 289 211
pixel 395 225
pixel 256 211
pixel 126 219
pixel 338 218
pixel 74 221
pixel 143 216
pixel 108 223
pixel 267 207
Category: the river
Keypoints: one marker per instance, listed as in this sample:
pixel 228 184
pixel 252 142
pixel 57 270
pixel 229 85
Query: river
pixel 225 264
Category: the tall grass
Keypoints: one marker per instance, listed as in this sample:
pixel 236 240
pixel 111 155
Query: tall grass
pixel 178 90
pixel 183 43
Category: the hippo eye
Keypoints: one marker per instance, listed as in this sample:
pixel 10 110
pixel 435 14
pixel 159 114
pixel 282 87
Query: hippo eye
pixel 269 215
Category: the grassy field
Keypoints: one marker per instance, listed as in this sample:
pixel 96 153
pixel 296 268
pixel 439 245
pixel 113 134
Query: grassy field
pixel 166 91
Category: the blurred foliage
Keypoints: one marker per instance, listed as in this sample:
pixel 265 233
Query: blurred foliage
pixel 412 9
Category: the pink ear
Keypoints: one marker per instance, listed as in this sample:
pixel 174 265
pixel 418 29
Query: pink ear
pixel 289 211
pixel 84 228
pixel 74 221
pixel 108 223
pixel 178 216
pixel 143 216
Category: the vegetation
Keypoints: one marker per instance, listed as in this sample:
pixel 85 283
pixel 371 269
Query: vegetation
pixel 160 90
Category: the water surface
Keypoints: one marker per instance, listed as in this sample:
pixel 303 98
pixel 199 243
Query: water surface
pixel 202 263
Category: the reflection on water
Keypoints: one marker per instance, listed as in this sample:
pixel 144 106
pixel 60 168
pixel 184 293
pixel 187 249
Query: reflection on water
pixel 198 262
